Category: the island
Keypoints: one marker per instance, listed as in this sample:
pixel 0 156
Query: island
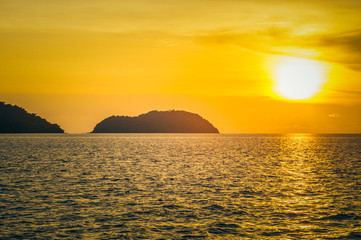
pixel 156 122
pixel 14 119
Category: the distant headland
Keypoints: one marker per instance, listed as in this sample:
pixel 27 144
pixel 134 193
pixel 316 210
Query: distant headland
pixel 14 119
pixel 156 122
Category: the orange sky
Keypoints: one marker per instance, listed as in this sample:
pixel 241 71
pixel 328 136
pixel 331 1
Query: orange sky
pixel 76 63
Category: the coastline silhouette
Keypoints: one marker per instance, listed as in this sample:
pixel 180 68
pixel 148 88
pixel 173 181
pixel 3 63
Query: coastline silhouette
pixel 174 121
pixel 14 119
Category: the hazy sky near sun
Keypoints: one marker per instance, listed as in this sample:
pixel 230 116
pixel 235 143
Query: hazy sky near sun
pixel 77 62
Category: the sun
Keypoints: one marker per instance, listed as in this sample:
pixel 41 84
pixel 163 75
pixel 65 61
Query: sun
pixel 298 78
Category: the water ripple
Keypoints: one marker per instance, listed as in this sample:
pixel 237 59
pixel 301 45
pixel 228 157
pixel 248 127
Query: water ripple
pixel 185 186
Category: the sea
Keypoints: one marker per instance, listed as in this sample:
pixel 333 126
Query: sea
pixel 180 186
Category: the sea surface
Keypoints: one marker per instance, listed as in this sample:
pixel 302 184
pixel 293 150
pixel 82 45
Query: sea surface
pixel 180 186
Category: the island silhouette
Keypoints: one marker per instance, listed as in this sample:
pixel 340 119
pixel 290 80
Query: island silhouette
pixel 173 121
pixel 14 119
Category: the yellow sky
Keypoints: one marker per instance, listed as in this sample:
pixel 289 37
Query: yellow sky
pixel 77 62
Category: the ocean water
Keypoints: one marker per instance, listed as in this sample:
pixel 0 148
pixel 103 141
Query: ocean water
pixel 180 186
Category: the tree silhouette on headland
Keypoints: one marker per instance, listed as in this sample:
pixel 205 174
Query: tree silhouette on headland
pixel 14 119
pixel 156 122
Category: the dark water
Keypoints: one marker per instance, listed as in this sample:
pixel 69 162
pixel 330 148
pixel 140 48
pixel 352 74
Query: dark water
pixel 169 186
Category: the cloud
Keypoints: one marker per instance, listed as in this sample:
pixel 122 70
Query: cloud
pixel 341 47
pixel 356 93
pixel 334 115
pixel 348 46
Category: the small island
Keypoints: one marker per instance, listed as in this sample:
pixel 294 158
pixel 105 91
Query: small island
pixel 156 122
pixel 14 119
